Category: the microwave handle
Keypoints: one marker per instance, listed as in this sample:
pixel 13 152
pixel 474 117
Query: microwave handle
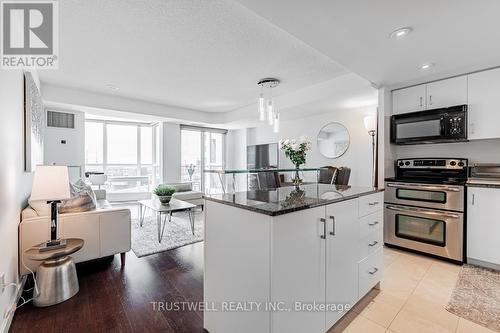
pixel 442 125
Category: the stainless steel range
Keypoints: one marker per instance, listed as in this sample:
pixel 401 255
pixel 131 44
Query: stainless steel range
pixel 424 206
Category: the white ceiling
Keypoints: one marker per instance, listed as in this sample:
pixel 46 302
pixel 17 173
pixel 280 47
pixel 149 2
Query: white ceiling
pixel 458 36
pixel 202 55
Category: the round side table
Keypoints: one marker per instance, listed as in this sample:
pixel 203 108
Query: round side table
pixel 56 276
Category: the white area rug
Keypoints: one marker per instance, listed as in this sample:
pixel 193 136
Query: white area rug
pixel 177 233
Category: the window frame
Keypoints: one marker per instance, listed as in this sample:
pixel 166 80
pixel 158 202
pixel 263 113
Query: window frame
pixel 155 161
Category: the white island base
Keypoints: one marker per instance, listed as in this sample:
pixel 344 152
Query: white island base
pixel 279 273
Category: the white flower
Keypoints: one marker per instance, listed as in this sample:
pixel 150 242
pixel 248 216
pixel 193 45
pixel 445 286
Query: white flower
pixel 294 145
pixel 303 139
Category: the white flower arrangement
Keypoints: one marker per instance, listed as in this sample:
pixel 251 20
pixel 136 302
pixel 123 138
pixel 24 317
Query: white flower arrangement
pixel 296 149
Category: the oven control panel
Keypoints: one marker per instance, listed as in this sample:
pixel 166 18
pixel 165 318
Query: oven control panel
pixel 432 163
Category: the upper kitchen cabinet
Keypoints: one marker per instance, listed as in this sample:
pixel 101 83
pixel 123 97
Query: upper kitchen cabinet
pixel 409 99
pixel 445 93
pixel 484 105
pixel 430 96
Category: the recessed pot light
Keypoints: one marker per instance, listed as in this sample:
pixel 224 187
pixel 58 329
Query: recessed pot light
pixel 401 33
pixel 426 66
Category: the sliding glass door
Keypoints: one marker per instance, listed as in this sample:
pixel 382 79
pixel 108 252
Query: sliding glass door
pixel 202 149
pixel 128 153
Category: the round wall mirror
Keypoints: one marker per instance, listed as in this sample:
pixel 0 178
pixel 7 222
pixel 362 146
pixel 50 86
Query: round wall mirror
pixel 333 140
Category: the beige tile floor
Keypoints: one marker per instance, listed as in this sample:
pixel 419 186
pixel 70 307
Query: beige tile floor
pixel 414 292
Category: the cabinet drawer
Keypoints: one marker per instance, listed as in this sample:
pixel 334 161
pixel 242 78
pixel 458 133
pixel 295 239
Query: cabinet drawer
pixel 370 272
pixel 371 203
pixel 370 223
pixel 371 244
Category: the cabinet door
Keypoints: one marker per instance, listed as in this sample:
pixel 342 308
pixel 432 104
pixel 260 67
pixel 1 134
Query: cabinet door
pixel 298 270
pixel 341 256
pixel 484 105
pixel 445 93
pixel 409 99
pixel 483 224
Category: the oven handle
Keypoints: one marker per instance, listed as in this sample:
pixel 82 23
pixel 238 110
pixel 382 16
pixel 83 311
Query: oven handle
pixel 426 187
pixel 423 211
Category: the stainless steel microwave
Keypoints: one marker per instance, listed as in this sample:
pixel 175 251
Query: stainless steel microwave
pixel 430 126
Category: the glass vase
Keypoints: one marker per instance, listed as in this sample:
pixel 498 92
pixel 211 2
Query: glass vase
pixel 297 180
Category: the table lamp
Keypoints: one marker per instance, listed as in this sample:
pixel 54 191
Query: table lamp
pixel 51 183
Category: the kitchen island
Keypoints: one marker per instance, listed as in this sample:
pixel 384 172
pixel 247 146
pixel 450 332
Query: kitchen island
pixel 290 259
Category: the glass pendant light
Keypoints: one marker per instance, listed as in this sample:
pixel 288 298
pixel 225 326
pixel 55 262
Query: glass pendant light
pixel 270 115
pixel 266 107
pixel 276 125
pixel 262 105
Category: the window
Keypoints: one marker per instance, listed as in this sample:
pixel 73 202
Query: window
pixel 122 144
pixel 202 149
pixel 94 143
pixel 129 153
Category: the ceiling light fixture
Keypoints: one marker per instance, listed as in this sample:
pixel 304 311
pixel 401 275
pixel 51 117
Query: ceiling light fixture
pixel 267 106
pixel 401 33
pixel 426 66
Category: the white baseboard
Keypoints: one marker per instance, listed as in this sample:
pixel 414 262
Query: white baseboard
pixel 485 264
pixel 6 323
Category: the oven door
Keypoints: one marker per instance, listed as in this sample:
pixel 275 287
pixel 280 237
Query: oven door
pixel 426 230
pixel 448 197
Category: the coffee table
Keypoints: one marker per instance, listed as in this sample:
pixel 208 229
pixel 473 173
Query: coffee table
pixel 174 205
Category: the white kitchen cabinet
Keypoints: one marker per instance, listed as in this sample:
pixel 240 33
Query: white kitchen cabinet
pixel 307 257
pixel 409 99
pixel 433 95
pixel 445 93
pixel 298 259
pixel 341 270
pixel 484 105
pixel 483 225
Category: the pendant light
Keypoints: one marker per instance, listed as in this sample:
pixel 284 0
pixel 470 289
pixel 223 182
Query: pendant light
pixel 266 106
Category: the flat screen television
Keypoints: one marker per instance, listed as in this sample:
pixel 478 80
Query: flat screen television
pixel 262 156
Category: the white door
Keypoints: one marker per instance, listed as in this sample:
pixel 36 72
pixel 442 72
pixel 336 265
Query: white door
pixel 483 224
pixel 445 93
pixel 484 105
pixel 298 270
pixel 409 99
pixel 341 257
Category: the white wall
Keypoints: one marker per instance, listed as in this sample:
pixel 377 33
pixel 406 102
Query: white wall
pixel 358 156
pixel 171 152
pixel 15 184
pixel 73 152
pixel 236 154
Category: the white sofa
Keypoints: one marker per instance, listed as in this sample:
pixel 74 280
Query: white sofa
pixel 184 192
pixel 105 230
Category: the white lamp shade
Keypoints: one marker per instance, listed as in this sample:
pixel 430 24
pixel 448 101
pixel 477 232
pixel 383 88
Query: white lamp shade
pixel 370 123
pixel 51 182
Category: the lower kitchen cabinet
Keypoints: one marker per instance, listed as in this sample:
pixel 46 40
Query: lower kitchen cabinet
pixel 341 257
pixel 483 226
pixel 328 256
pixel 298 269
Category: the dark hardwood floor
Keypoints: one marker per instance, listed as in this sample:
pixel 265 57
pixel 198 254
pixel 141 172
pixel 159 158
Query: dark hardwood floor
pixel 113 298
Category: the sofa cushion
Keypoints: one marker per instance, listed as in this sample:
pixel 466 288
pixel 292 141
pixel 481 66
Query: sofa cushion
pixel 181 187
pixel 103 204
pixel 188 195
pixel 82 199
pixel 40 207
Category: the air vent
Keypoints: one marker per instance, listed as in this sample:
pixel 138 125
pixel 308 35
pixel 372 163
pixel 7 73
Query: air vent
pixel 60 119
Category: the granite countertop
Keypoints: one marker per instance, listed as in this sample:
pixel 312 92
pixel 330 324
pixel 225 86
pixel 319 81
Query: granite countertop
pixel 288 199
